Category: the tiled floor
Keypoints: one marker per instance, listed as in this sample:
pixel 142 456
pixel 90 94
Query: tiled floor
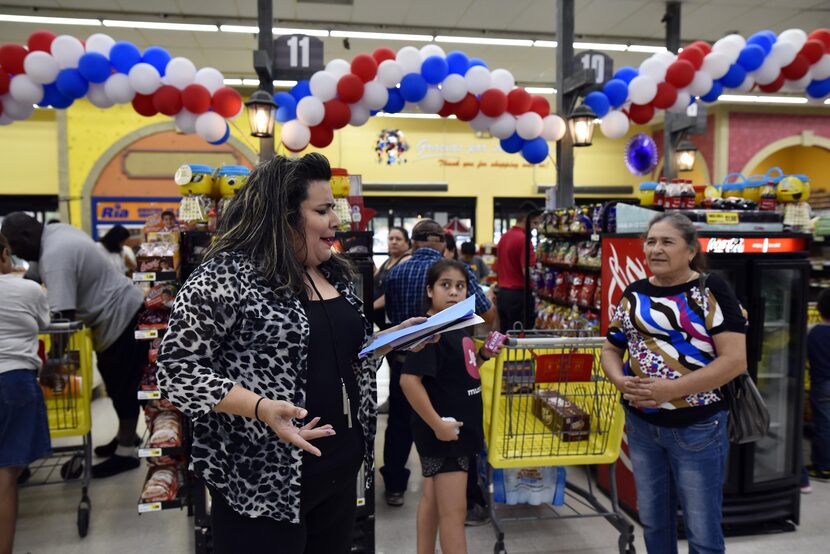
pixel 47 521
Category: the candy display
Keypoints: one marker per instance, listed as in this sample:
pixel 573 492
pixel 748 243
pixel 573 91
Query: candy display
pixel 158 256
pixel 166 430
pixel 154 319
pixel 567 420
pixel 162 485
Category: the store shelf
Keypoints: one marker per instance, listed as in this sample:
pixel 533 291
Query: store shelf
pixel 149 334
pixel 573 236
pixel 149 394
pixel 151 452
pixel 568 304
pixel 177 503
pixel 150 277
pixel 574 267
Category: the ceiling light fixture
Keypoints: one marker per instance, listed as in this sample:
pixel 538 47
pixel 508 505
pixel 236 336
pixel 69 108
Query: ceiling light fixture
pixel 540 90
pixel 406 115
pixel 484 40
pixel 600 46
pixel 380 36
pixel 762 99
pixel 645 49
pixel 49 20
pixel 161 26
pixel 545 43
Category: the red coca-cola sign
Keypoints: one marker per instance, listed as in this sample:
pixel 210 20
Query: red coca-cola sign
pixel 623 262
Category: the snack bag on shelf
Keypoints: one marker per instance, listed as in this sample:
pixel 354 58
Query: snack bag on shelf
pixel 154 319
pixel 158 256
pixel 576 287
pixel 162 485
pixel 550 282
pixel 161 295
pixel 589 288
pixel 570 255
pixel 597 301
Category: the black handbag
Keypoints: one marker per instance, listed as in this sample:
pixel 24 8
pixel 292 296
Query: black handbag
pixel 748 414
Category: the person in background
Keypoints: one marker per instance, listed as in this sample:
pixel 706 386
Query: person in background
pixel 476 263
pixel 24 427
pixel 168 219
pixel 81 284
pixel 398 246
pixel 113 246
pixel 510 270
pixel 684 342
pixel 818 352
pixel 405 286
pixel 450 249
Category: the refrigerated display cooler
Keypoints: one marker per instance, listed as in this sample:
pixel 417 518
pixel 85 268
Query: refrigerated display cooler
pixel 769 272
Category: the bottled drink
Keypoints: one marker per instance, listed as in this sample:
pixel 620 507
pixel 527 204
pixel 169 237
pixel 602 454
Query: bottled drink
pixel 687 196
pixel 673 200
pixel 767 201
pixel 660 193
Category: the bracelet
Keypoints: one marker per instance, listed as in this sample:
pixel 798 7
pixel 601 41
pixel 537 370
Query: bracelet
pixel 256 409
pixel 481 354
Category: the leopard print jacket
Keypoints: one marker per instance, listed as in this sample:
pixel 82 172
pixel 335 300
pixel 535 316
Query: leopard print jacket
pixel 228 326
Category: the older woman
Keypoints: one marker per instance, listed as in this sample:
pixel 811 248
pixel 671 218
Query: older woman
pixel 398 246
pixel 683 343
pixel 261 352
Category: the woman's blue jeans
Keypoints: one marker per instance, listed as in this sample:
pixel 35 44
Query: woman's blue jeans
pixel 684 465
pixel 820 445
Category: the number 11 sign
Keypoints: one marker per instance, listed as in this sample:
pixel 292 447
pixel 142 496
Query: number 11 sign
pixel 297 56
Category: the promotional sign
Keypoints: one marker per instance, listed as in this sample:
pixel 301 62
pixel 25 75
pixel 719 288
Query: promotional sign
pixel 128 211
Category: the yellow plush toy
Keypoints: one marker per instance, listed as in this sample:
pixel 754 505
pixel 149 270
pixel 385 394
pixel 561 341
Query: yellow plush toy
pixel 793 191
pixel 198 187
pixel 231 178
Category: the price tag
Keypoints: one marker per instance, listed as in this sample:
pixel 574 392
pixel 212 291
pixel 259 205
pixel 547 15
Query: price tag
pixel 149 452
pixel 722 218
pixel 361 501
pixel 149 507
pixel 143 277
pixel 595 237
pixel 145 334
pixel 149 395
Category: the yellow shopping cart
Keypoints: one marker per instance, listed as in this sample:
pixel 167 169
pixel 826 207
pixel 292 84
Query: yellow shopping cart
pixel 548 403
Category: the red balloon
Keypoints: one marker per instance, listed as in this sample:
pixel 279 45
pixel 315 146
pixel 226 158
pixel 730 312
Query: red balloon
pixel 774 86
pixel 350 89
pixel 167 100
pixel 321 135
pixel 41 40
pixel 823 35
pixel 5 80
pixel 365 67
pixel 693 55
pixel 447 109
pixel 337 115
pixel 813 50
pixel 196 98
pixel 797 69
pixel 1 107
pixel 680 73
pixel 518 101
pixel 143 104
pixel 641 113
pixel 539 104
pixel 493 102
pixel 467 109
pixel 11 58
pixel 666 96
pixel 702 45
pixel 382 54
pixel 226 102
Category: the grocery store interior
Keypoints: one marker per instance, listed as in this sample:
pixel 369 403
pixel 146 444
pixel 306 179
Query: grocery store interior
pixel 568 123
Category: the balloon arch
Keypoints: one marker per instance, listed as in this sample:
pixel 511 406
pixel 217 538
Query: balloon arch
pixel 56 70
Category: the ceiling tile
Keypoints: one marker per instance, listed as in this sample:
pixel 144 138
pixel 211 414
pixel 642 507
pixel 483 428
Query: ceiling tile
pixel 379 11
pixel 538 17
pixel 600 18
pixel 208 7
pixel 171 40
pixel 758 19
pixel 323 12
pixel 221 41
pixel 437 13
pixel 492 15
pixel 144 6
pixel 808 20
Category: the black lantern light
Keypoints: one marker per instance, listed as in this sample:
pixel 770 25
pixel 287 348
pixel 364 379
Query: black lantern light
pixel 261 111
pixel 685 154
pixel 581 125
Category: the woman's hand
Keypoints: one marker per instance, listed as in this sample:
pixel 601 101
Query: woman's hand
pixel 649 392
pixel 408 323
pixel 278 415
pixel 447 431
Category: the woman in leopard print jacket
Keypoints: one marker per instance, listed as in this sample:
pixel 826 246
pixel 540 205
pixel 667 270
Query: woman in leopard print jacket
pixel 261 351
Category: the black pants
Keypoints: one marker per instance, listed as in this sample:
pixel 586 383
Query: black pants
pixel 475 494
pixel 510 306
pixel 327 513
pixel 120 366
pixel 398 437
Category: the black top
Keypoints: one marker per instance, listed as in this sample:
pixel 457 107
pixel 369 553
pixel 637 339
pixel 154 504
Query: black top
pixel 451 379
pixel 329 360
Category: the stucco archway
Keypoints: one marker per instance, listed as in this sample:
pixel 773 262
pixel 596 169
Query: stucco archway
pixel 805 138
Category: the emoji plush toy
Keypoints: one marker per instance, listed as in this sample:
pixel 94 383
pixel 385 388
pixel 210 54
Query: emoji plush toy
pixel 198 188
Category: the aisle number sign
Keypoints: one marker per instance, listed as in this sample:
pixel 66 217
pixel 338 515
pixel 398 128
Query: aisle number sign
pixel 297 56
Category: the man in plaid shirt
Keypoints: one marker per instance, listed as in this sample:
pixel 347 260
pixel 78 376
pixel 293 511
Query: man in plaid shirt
pixel 405 287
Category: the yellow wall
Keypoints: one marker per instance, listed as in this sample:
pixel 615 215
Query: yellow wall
pixel 812 161
pixel 29 155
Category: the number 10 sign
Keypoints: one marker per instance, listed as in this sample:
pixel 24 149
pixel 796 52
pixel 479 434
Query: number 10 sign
pixel 297 56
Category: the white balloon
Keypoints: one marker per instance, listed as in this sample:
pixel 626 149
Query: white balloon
pixel 801 84
pixel 390 73
pixel 642 89
pixel 118 88
pixel 5 120
pixel 730 46
pixel 529 125
pixel 432 50
pixel 748 83
pixel 186 121
pixel 14 109
pixel 553 127
pixel 821 69
pixel 614 125
pixel 654 68
pixel 682 103
pixel 98 96
pixel 432 102
pixel 768 72
pixel 338 67
pixel 796 37
pixel 481 122
pixel 716 64
pixel 783 53
pixel 360 114
pixel 323 86
pixel 502 80
pixel 454 88
pixel 295 135
pixel 210 126
pixel 666 56
pixel 180 72
pixel 504 126
pixel 67 50
pixel 701 84
pixel 478 79
pixel 310 111
pixel 41 67
pixel 144 78
pixel 375 95
pixel 410 59
pixel 101 43
pixel 210 78
pixel 25 90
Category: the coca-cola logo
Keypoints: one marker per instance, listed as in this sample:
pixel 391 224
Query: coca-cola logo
pixel 725 246
pixel 623 273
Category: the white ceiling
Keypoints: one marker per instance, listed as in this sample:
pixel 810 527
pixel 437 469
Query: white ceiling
pixel 634 21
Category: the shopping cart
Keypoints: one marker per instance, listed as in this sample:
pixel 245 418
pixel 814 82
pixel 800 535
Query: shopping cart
pixel 67 349
pixel 547 403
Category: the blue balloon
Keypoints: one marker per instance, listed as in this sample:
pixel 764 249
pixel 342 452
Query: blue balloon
pixel 395 102
pixel 714 92
pixel 285 113
pixel 124 55
pixel 762 40
pixel 535 150
pixel 626 74
pixel 224 138
pixel 301 90
pixel 434 69
pixel 598 102
pixel 458 62
pixel 773 38
pixel 819 89
pixel 52 97
pixel 413 87
pixel 752 56
pixel 513 143
pixel 476 61
pixel 617 91
pixel 71 83
pixel 94 67
pixel 734 77
pixel 158 57
pixel 284 99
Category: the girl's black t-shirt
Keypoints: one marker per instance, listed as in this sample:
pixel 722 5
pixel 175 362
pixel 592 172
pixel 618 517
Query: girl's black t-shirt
pixel 451 379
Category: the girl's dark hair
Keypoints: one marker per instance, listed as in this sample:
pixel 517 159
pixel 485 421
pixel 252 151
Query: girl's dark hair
pixel 436 270
pixel 449 238
pixel 264 221
pixel 823 303
pixel 404 232
pixel 687 231
pixel 114 237
pixel 4 243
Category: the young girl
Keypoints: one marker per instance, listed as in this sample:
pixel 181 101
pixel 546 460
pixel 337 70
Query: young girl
pixel 442 384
